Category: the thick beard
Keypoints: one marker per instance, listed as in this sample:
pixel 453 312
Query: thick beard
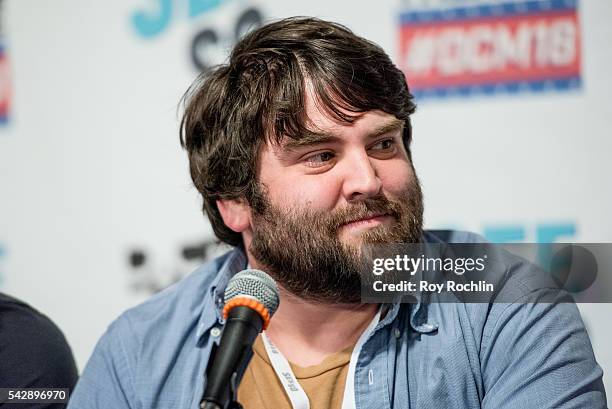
pixel 301 248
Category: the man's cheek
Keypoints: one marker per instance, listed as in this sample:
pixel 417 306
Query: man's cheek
pixel 320 196
pixel 396 178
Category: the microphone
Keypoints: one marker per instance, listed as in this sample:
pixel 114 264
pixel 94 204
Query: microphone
pixel 251 298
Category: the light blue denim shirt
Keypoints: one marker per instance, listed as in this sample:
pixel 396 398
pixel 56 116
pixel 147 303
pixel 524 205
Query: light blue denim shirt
pixel 423 355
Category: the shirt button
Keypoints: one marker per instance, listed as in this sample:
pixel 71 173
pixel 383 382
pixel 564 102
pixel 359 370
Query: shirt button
pixel 215 332
pixel 397 333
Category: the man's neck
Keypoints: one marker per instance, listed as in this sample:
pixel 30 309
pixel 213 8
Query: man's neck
pixel 307 332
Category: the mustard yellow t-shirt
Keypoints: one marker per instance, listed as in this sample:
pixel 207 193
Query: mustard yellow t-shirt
pixel 323 383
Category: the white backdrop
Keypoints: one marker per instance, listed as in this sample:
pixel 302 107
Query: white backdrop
pixel 93 176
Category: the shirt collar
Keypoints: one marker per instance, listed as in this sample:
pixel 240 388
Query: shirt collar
pixel 419 317
pixel 212 313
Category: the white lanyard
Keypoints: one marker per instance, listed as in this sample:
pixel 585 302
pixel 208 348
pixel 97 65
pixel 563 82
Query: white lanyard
pixel 292 387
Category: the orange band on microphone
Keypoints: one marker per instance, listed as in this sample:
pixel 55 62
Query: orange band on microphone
pixel 251 303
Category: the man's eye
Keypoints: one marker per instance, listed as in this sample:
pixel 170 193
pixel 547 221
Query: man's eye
pixel 319 159
pixel 384 145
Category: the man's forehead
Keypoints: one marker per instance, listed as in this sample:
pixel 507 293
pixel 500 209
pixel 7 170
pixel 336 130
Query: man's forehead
pixel 367 125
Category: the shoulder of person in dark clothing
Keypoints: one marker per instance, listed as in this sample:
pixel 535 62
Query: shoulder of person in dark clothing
pixel 33 352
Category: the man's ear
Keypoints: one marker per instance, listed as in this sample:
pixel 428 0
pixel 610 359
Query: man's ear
pixel 236 214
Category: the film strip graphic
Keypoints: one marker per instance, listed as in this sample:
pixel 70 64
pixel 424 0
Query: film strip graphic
pixel 529 46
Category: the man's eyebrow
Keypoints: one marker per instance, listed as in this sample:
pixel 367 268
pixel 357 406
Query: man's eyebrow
pixel 312 138
pixel 391 126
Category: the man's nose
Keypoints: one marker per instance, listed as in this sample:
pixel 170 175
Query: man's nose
pixel 361 179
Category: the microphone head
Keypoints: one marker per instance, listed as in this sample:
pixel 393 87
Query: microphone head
pixel 254 289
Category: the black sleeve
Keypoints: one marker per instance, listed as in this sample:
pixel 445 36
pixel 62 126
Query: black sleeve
pixel 33 352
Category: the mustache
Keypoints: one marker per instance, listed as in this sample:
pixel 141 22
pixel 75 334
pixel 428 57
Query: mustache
pixel 379 205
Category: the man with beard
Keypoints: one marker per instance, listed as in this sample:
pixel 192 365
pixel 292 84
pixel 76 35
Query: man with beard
pixel 300 147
